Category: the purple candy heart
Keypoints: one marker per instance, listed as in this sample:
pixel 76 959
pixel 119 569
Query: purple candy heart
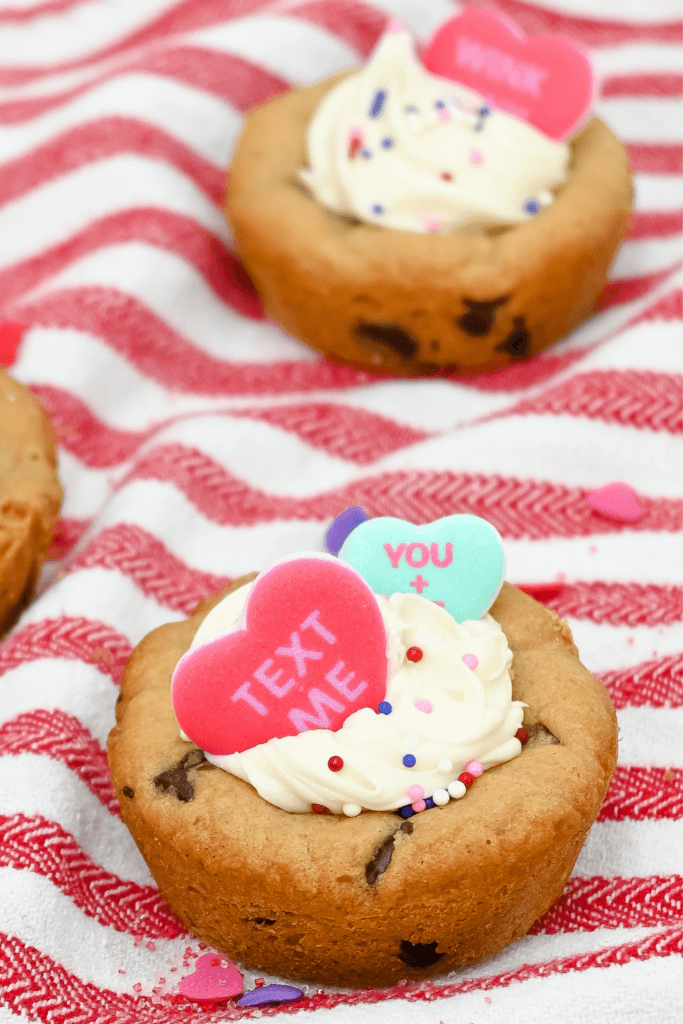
pixel 270 994
pixel 342 526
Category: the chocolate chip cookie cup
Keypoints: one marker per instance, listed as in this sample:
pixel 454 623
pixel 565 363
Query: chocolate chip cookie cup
pixel 404 303
pixel 367 900
pixel 30 496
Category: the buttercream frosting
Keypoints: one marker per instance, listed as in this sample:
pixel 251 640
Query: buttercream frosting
pixel 394 145
pixel 451 708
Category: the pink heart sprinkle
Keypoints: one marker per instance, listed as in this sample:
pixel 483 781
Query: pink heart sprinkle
pixel 416 792
pixel 424 705
pixel 474 768
pixel 616 501
pixel 471 660
pixel 214 978
pixel 476 157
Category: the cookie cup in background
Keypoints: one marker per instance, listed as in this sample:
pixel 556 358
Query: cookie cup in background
pixel 368 900
pixel 30 496
pixel 398 302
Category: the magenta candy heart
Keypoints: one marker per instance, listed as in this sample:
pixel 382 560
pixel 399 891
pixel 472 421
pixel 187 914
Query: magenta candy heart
pixel 214 978
pixel 545 80
pixel 616 501
pixel 311 650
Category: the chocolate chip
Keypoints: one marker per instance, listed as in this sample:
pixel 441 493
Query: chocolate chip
pixel 381 858
pixel 387 334
pixel 539 736
pixel 262 920
pixel 127 791
pixel 479 316
pixel 419 954
pixel 176 779
pixel 517 342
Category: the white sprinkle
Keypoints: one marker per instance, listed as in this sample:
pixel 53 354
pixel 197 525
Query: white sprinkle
pixel 440 797
pixel 351 810
pixel 445 766
pixel 457 789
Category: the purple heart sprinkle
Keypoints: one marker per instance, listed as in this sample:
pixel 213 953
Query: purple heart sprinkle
pixel 342 526
pixel 270 994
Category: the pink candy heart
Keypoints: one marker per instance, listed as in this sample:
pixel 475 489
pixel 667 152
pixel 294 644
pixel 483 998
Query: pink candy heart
pixel 617 501
pixel 545 80
pixel 214 978
pixel 310 652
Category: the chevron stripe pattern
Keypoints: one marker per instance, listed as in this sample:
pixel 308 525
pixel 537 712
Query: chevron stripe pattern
pixel 198 442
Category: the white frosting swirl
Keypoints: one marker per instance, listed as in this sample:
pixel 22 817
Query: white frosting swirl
pixel 399 147
pixel 472 717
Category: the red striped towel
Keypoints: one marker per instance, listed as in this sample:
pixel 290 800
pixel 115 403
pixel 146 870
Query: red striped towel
pixel 199 442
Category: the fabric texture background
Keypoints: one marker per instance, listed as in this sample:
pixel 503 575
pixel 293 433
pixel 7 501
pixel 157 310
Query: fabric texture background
pixel 199 442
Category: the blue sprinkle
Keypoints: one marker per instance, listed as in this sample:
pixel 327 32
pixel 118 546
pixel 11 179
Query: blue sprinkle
pixel 429 803
pixel 385 708
pixel 377 103
pixel 407 811
pixel 378 208
pixel 366 154
pixel 531 206
pixel 439 104
pixel 409 760
pixel 388 142
pixel 484 111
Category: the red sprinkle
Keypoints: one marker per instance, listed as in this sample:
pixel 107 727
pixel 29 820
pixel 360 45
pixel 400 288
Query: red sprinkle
pixel 151 945
pixel 414 654
pixel 259 982
pixel 446 176
pixel 137 987
pixel 522 734
pixel 335 764
pixel 466 779
pixel 319 808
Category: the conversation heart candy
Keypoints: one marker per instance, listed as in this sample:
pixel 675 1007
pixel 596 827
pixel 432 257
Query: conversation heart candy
pixel 342 526
pixel 545 80
pixel 456 561
pixel 309 650
pixel 271 994
pixel 616 501
pixel 214 978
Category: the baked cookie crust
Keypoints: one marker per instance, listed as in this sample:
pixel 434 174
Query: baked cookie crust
pixel 397 302
pixel 30 495
pixel 369 900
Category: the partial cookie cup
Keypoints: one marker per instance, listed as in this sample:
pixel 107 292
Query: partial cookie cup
pixel 369 900
pixel 403 303
pixel 30 496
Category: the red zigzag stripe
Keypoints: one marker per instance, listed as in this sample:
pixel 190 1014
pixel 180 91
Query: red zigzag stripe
pixel 638 794
pixel 658 83
pixel 517 508
pixel 97 140
pixel 62 737
pixel 56 995
pixel 628 289
pixel 656 224
pixel 657 683
pixel 43 847
pixel 158 573
pixel 630 604
pixel 75 638
pixel 187 16
pixel 172 232
pixel 158 352
pixel 633 398
pixel 590 903
pixel 66 536
pixel 342 431
pixel 224 75
pixel 534 19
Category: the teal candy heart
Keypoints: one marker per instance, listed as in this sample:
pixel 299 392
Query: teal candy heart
pixel 457 561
